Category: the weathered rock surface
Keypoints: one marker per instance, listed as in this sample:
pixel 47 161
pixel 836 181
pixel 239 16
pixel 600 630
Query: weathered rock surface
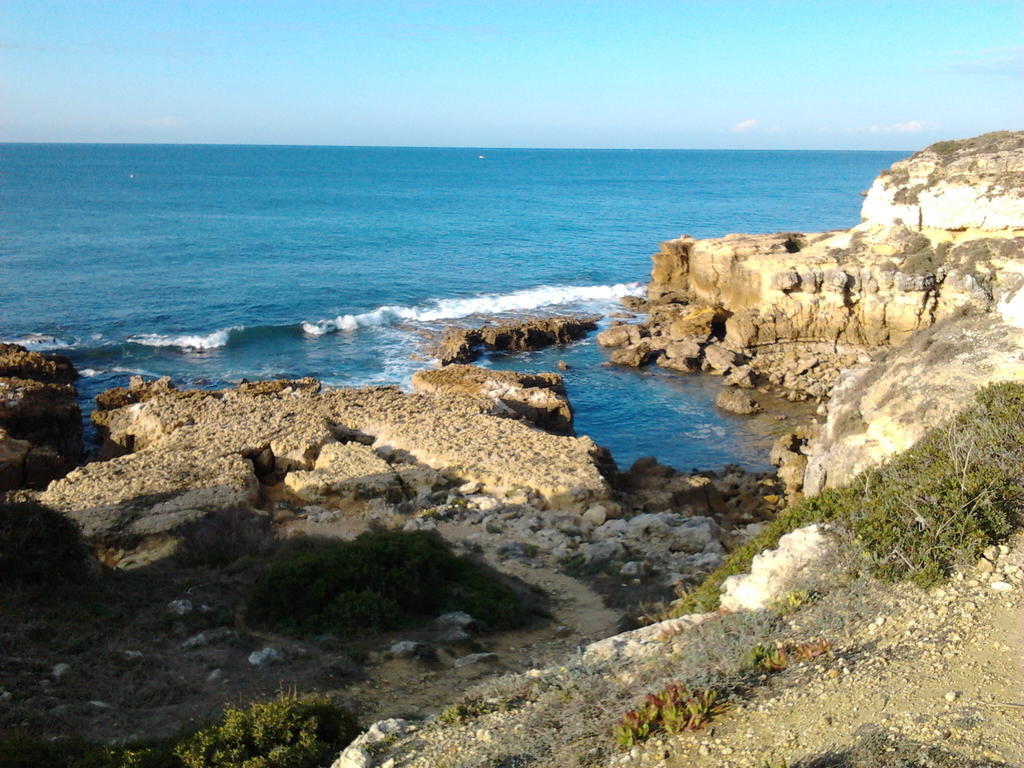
pixel 40 422
pixel 464 345
pixel 886 406
pixel 736 401
pixel 943 235
pixel 537 398
pixel 971 183
pixel 198 451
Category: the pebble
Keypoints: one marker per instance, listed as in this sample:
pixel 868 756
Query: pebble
pixel 180 607
pixel 59 670
pixel 951 696
pixel 1001 586
pixel 268 655
pixel 476 658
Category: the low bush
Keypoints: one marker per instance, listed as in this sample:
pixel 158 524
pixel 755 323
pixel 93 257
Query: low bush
pixel 287 732
pixel 381 580
pixel 940 503
pixel 23 750
pixel 224 536
pixel 38 544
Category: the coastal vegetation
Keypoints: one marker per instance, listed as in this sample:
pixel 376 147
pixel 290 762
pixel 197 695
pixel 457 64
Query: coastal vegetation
pixel 921 513
pixel 381 580
pixel 289 731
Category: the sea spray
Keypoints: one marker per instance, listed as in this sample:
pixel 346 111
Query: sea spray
pixel 436 310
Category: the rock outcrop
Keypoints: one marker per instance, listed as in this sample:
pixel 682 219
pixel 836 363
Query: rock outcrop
pixel 968 184
pixel 196 451
pixel 40 422
pixel 537 398
pixel 464 345
pixel 898 319
pixel 886 406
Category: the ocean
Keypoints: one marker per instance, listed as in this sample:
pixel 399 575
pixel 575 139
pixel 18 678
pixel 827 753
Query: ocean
pixel 215 263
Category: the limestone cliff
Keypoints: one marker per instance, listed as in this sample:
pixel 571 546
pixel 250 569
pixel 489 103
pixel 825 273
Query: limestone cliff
pixel 972 183
pixel 941 246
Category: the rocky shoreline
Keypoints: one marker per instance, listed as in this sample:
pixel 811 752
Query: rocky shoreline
pixel 887 328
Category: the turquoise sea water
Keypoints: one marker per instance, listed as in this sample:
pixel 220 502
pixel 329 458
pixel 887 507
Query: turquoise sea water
pixel 212 263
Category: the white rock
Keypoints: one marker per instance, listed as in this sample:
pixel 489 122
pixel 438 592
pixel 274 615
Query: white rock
pixel 59 670
pixel 353 757
pixel 383 729
pixel 777 571
pixel 633 568
pixel 1001 586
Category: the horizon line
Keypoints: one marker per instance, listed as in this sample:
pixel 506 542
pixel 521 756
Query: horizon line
pixel 434 146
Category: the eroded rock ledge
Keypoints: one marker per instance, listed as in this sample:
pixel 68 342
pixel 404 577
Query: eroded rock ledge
pixel 193 451
pixel 40 422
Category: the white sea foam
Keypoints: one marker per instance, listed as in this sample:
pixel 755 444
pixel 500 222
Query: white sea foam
pixel 39 342
pixel 185 341
pixel 486 304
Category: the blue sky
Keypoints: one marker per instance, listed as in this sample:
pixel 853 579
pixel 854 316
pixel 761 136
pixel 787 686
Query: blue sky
pixel 849 75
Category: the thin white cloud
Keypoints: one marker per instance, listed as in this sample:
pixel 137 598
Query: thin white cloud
pixel 1000 62
pixel 911 126
pixel 745 125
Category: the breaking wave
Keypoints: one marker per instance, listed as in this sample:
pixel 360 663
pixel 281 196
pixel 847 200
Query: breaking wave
pixel 185 341
pixel 486 304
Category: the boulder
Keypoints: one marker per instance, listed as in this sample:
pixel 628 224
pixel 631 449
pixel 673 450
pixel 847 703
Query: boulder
pixel 635 355
pixel 345 472
pixel 736 401
pixel 718 359
pixel 619 336
pixel 698 324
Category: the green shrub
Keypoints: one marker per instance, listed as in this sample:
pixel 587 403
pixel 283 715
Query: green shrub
pixel 959 489
pixel 287 732
pixel 947 498
pixel 24 750
pixel 381 580
pixel 38 544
